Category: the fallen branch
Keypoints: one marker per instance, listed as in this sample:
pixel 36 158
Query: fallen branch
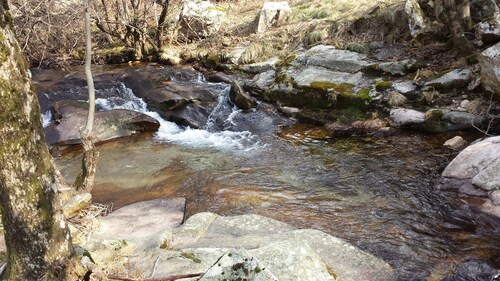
pixel 167 278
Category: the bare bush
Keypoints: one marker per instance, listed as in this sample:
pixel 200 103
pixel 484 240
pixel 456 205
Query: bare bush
pixel 50 31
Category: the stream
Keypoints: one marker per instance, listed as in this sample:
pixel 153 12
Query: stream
pixel 382 194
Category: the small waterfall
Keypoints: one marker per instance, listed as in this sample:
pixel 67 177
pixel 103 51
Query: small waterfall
pixel 211 136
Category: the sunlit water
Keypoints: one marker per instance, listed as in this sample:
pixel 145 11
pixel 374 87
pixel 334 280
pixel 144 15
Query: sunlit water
pixel 381 194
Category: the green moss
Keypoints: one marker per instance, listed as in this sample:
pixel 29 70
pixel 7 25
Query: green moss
pixel 364 94
pixel 383 85
pixel 342 88
pixel 357 47
pixel 191 256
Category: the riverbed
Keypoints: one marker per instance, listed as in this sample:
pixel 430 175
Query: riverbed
pixel 380 193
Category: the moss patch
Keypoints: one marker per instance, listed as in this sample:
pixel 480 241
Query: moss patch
pixel 191 256
pixel 383 85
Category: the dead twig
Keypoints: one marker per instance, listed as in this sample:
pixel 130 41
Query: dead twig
pixel 167 278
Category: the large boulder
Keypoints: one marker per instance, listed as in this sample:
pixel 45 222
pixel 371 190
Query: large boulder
pixel 186 103
pixel 217 247
pixel 489 60
pixel 479 164
pixel 71 117
pixel 272 14
pixel 199 19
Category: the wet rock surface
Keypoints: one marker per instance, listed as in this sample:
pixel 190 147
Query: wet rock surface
pixel 212 245
pixel 71 119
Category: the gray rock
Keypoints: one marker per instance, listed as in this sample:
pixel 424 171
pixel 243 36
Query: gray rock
pixel 455 143
pixel 404 116
pixel 489 177
pixel 404 87
pixel 489 60
pixel 417 21
pixel 489 31
pixel 345 260
pixel 272 14
pixel 398 67
pixel 330 58
pixel 261 66
pixel 261 235
pixel 238 265
pixel 293 259
pixel 235 55
pixel 240 98
pixel 462 120
pixel 478 163
pixel 264 81
pixel 311 74
pixel 194 228
pixel 199 19
pixel 76 203
pixel 108 125
pixel 453 79
pixel 206 242
pixel 146 222
pixel 495 197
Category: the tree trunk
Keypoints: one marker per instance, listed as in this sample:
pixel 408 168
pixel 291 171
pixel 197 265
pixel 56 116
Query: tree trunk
pixel 85 178
pixel 36 234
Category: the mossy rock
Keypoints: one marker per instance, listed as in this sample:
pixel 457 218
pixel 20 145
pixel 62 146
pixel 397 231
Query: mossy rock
pixel 383 85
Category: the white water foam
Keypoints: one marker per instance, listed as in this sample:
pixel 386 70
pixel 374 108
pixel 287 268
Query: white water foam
pixel 170 132
pixel 46 118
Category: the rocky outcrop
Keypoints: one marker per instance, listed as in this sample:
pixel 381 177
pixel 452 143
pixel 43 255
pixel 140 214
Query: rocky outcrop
pixel 272 14
pixel 71 116
pixel 214 246
pixel 199 19
pixel 186 103
pixel 489 60
pixel 479 164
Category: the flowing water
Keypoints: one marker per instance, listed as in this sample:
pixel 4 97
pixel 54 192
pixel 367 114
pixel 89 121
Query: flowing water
pixel 380 193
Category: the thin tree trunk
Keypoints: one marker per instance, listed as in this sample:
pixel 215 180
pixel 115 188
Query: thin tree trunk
pixel 37 236
pixel 85 179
